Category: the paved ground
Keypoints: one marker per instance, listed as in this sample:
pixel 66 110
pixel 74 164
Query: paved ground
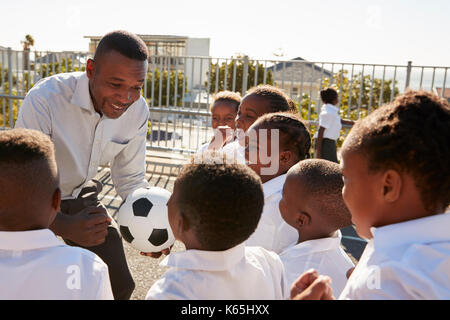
pixel 161 172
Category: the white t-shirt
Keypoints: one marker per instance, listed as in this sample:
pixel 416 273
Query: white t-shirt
pixel 61 107
pixel 407 260
pixel 330 119
pixel 272 232
pixel 325 255
pixel 37 265
pixel 234 150
pixel 239 273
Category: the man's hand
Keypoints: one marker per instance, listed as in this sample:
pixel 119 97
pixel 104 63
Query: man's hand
pixel 156 255
pixel 87 228
pixel 311 286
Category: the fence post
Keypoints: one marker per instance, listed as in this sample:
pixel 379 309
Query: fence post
pixel 408 74
pixel 10 88
pixel 245 75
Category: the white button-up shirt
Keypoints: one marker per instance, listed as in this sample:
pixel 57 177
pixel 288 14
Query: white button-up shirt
pixel 61 107
pixel 407 260
pixel 37 265
pixel 330 119
pixel 325 255
pixel 272 232
pixel 239 273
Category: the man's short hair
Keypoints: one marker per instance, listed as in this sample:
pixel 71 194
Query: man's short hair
pixel 322 181
pixel 222 203
pixel 124 42
pixel 28 167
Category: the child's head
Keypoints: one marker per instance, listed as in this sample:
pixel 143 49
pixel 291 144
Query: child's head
pixel 396 162
pixel 215 207
pixel 329 95
pixel 259 101
pixel 224 108
pixel 312 199
pixel 29 184
pixel 270 157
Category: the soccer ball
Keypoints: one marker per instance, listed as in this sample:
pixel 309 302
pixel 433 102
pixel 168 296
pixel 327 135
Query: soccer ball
pixel 143 220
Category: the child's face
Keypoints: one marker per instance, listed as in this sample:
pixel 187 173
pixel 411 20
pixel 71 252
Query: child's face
pixel 294 201
pixel 250 109
pixel 360 192
pixel 223 114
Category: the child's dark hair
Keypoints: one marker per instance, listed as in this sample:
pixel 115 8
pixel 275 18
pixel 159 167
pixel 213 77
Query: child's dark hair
pixel 278 100
pixel 296 135
pixel 221 202
pixel 410 135
pixel 232 98
pixel 329 95
pixel 322 180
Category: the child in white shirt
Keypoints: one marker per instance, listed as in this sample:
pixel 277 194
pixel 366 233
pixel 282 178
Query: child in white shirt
pixel 396 186
pixel 330 124
pixel 213 209
pixel 258 101
pixel 276 142
pixel 312 203
pixel 34 263
pixel 224 108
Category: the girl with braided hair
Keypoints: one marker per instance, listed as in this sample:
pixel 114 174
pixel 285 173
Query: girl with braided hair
pixel 290 143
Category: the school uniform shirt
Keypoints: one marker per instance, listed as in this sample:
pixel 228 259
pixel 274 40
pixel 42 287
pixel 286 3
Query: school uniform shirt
pixel 330 119
pixel 272 232
pixel 61 107
pixel 325 255
pixel 239 273
pixel 234 150
pixel 37 265
pixel 407 260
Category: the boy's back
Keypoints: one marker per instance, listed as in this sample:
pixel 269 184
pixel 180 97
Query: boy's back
pixel 37 265
pixel 239 273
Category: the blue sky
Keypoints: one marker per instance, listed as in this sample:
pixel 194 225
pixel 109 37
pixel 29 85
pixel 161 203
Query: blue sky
pixel 385 32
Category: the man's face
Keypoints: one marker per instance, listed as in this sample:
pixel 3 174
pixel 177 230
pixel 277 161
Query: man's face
pixel 115 83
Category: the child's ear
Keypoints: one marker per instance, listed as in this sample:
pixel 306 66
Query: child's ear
pixel 56 200
pixel 303 219
pixel 285 157
pixel 392 185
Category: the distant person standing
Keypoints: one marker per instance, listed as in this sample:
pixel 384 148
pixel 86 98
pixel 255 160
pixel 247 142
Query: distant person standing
pixel 95 118
pixel 330 125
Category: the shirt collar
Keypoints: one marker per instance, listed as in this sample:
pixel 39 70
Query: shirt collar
pixel 81 96
pixel 28 240
pixel 206 260
pixel 423 230
pixel 316 245
pixel 274 185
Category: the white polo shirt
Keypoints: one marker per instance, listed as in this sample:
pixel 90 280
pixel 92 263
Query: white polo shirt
pixel 325 255
pixel 330 119
pixel 234 150
pixel 239 273
pixel 272 232
pixel 61 107
pixel 37 265
pixel 407 260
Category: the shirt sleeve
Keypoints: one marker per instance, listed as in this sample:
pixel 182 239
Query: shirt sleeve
pixel 325 119
pixel 128 167
pixel 34 114
pixel 104 290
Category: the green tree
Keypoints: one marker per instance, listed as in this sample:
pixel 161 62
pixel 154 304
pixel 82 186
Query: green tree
pixel 229 68
pixel 164 83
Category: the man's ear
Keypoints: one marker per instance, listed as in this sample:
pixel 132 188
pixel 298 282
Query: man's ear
pixel 56 200
pixel 90 68
pixel 303 219
pixel 391 185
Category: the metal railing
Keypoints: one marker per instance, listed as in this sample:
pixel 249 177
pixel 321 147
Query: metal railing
pixel 179 89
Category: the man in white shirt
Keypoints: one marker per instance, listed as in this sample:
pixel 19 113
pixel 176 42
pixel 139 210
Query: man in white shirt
pixel 95 118
pixel 34 263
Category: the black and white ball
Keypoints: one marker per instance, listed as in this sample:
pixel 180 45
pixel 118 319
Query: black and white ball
pixel 143 220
